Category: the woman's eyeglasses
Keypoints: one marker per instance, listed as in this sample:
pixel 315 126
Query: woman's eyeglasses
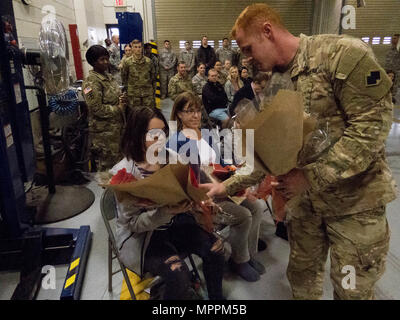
pixel 156 134
pixel 191 112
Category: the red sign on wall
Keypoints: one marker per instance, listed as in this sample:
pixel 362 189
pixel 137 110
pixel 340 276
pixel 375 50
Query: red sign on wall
pixel 120 3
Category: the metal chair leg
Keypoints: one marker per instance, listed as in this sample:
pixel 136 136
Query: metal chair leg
pixel 109 266
pixel 128 282
pixel 194 268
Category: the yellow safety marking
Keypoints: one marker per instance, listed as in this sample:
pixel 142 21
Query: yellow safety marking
pixel 70 281
pixel 74 264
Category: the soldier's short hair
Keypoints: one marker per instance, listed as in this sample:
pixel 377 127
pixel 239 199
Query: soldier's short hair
pixel 166 41
pixel 225 39
pixel 133 141
pixel 212 70
pixel 94 53
pixel 181 62
pixel 255 14
pixel 260 77
pixel 136 41
pixel 199 64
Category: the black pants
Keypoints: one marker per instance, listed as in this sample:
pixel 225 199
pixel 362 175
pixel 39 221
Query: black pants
pixel 184 236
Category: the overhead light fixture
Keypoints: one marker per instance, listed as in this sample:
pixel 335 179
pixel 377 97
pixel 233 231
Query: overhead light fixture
pixel 361 3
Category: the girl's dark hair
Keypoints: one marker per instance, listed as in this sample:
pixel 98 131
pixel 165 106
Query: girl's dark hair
pixel 180 102
pixel 134 138
pixel 95 52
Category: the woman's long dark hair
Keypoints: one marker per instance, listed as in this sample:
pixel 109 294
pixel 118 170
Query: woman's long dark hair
pixel 134 138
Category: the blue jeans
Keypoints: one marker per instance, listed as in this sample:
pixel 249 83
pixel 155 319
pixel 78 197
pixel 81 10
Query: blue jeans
pixel 220 114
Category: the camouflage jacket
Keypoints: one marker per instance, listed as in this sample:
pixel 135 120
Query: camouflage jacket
pixel 189 57
pixel 115 57
pixel 167 59
pixel 101 93
pixel 198 83
pixel 139 77
pixel 225 54
pixel 348 92
pixel 177 85
pixel 392 61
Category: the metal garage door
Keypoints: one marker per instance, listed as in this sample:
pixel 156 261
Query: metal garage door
pixel 376 23
pixel 179 20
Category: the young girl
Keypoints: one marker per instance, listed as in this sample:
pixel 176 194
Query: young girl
pixel 151 239
pixel 245 218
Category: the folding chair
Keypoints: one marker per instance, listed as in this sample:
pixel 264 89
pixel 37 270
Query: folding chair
pixel 109 212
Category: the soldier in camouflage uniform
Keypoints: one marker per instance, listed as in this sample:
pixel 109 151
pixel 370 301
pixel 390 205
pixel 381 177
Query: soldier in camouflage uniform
pixel 189 57
pixel 338 193
pixel 106 110
pixel 200 79
pixel 180 82
pixel 115 59
pixel 139 78
pixel 225 52
pixel 168 60
pixel 393 61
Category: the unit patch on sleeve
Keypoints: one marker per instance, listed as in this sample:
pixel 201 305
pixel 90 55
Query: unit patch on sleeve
pixel 373 78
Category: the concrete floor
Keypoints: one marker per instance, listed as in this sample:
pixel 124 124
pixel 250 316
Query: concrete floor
pixel 273 285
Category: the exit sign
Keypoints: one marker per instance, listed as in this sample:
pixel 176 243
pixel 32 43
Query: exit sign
pixel 120 3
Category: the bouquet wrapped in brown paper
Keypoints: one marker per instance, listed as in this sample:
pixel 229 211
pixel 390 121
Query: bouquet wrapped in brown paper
pixel 280 131
pixel 171 185
pixel 283 134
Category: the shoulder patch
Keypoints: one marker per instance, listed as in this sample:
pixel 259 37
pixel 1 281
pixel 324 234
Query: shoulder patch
pixel 87 90
pixel 373 78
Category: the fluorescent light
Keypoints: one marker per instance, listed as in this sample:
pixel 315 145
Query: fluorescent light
pixel 376 40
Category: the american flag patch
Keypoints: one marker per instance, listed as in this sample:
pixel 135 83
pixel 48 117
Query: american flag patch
pixel 87 90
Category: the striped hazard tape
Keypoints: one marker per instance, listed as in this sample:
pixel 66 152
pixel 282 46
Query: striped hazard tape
pixel 154 50
pixel 72 272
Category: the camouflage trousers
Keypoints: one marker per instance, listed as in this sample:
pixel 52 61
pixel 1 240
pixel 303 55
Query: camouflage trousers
pixel 359 241
pixel 105 150
pixel 165 76
pixel 148 101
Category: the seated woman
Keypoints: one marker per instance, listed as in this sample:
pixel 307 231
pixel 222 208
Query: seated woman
pixel 233 84
pixel 245 219
pixel 151 239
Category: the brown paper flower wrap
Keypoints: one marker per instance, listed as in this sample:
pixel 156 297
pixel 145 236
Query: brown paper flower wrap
pixel 281 130
pixel 171 185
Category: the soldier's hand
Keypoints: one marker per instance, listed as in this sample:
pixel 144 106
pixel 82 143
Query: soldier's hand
pixel 214 189
pixel 292 184
pixel 123 101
